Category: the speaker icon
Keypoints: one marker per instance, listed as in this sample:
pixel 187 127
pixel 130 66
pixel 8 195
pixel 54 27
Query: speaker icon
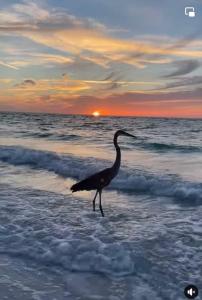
pixel 191 291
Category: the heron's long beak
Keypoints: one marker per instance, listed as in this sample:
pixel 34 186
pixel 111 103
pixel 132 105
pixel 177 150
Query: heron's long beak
pixel 128 134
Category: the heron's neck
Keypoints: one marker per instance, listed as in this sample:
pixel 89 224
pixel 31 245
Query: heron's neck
pixel 117 162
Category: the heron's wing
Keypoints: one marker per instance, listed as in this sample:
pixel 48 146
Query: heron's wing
pixel 94 182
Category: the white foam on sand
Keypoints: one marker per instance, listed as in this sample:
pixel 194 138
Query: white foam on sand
pixel 140 248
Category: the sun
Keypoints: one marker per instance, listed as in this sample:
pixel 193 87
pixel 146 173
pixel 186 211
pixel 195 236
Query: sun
pixel 96 113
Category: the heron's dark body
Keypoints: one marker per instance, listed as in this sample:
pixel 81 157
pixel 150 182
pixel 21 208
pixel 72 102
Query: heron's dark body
pixel 100 180
pixel 94 182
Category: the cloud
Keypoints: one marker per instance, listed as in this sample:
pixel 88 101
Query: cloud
pixel 99 59
pixel 30 9
pixel 113 81
pixel 29 82
pixel 86 38
pixel 52 86
pixel 26 83
pixel 167 47
pixel 29 15
pixel 7 65
pixel 37 59
pixel 127 100
pixel 185 103
pixel 184 67
pixel 184 82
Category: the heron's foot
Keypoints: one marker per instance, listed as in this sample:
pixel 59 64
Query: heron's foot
pixel 102 213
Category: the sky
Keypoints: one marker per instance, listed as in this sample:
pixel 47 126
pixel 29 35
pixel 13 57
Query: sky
pixel 125 58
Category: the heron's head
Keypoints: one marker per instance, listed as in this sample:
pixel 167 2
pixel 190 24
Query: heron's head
pixel 121 132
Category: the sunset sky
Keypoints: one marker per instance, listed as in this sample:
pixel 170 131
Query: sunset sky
pixel 132 57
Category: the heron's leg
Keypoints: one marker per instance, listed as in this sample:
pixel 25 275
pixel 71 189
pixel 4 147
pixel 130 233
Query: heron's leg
pixel 100 194
pixel 94 200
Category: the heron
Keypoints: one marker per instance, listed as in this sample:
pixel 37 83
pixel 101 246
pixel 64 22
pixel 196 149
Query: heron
pixel 100 180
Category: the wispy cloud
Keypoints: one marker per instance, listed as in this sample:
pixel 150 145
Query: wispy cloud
pixel 138 103
pixel 39 59
pixel 101 68
pixel 8 65
pixel 184 82
pixel 65 32
pixel 53 86
pixel 28 15
pixel 183 103
pixel 184 67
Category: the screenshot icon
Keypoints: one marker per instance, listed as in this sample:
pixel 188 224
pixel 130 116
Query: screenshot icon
pixel 190 11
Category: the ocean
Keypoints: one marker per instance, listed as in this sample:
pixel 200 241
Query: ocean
pixel 52 244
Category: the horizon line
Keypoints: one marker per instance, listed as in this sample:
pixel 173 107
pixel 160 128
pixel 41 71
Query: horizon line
pixel 103 116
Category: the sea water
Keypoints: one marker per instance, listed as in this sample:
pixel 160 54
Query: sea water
pixel 52 244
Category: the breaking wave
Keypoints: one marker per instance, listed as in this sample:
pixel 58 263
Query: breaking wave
pixel 128 180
